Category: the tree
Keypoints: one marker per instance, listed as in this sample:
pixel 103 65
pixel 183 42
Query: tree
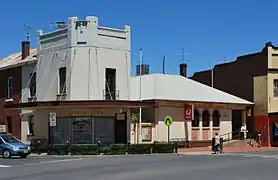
pixel 135 117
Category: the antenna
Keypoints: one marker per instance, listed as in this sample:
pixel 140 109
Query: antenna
pixel 52 24
pixel 182 55
pixel 29 28
pixel 163 65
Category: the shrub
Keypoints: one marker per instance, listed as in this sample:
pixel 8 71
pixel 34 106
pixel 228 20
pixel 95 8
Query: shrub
pixel 84 149
pixel 163 148
pixel 139 149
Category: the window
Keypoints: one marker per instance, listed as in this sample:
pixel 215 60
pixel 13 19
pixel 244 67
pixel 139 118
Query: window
pixel 196 121
pixel 110 84
pixel 10 88
pixel 205 118
pixel 31 125
pixel 9 124
pixel 33 77
pixel 275 87
pixel 62 80
pixel 216 119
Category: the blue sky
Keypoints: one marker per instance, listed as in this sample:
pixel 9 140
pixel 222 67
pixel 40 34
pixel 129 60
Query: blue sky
pixel 209 31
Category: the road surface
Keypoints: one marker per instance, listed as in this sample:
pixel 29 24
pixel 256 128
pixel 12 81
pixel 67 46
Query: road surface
pixel 233 166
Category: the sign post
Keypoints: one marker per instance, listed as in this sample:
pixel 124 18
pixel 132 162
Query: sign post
pixel 168 122
pixel 52 124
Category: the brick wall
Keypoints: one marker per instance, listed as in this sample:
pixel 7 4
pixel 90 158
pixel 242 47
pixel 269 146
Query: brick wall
pixel 15 73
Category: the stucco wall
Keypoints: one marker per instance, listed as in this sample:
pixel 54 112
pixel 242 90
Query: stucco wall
pixel 85 51
pixel 261 95
pixel 181 128
pixel 272 101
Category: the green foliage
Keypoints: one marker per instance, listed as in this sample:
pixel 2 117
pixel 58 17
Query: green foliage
pixel 113 149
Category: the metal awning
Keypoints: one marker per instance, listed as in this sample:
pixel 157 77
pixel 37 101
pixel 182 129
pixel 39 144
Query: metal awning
pixel 77 104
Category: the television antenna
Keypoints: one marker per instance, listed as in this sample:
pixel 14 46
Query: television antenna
pixel 29 28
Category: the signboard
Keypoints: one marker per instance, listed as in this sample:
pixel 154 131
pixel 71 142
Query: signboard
pixel 52 119
pixel 168 121
pixel 3 128
pixel 146 132
pixel 188 112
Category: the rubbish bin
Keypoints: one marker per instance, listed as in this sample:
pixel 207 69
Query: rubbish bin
pixel 213 146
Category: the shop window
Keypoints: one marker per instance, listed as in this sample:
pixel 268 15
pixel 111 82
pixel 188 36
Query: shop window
pixel 216 118
pixel 205 118
pixel 275 87
pixel 196 121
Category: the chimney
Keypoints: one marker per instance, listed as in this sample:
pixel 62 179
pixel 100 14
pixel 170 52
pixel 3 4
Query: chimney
pixel 25 49
pixel 183 69
pixel 61 24
pixel 145 68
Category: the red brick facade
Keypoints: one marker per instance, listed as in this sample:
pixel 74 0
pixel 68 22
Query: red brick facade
pixel 15 73
pixel 236 78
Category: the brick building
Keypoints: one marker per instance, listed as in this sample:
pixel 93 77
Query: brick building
pixel 11 86
pixel 253 77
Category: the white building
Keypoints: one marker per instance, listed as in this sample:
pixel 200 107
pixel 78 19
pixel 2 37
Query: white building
pixel 83 75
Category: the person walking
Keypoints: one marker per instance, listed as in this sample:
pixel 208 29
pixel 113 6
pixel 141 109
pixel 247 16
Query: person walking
pixel 217 143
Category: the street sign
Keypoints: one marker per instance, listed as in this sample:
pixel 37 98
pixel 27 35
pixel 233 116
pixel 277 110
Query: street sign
pixel 52 119
pixel 168 121
pixel 188 112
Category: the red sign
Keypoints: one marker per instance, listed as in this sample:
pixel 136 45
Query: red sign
pixel 188 112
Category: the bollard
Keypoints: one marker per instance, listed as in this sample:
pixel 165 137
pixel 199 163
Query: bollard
pixel 98 147
pixel 176 147
pixel 38 147
pixel 127 147
pixel 68 148
pixel 187 143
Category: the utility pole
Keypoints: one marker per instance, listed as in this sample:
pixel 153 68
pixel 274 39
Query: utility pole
pixel 140 97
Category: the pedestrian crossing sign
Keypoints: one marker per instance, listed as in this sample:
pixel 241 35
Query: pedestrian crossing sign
pixel 168 121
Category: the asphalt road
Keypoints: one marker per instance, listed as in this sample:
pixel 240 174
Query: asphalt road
pixel 234 166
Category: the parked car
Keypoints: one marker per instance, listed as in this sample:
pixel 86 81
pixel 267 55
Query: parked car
pixel 11 146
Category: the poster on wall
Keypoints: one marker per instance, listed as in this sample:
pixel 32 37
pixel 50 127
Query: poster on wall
pixel 82 131
pixel 189 112
pixel 146 132
pixel 3 128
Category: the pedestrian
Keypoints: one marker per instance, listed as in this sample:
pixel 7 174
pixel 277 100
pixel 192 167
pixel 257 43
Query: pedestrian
pixel 217 143
pixel 259 138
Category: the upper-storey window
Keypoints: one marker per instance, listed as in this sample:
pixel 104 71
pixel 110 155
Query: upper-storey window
pixel 33 77
pixel 275 87
pixel 10 88
pixel 62 80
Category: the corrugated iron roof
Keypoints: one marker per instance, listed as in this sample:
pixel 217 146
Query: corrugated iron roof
pixel 178 88
pixel 15 60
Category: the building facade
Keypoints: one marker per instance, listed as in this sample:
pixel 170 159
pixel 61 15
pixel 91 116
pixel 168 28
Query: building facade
pixel 12 69
pixel 255 80
pixel 80 62
pixel 212 109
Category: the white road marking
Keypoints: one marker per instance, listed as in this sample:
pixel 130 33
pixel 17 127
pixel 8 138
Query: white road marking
pixel 255 156
pixel 54 161
pixel 5 166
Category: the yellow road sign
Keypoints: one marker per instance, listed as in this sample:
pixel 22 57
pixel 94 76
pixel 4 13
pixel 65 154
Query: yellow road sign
pixel 168 121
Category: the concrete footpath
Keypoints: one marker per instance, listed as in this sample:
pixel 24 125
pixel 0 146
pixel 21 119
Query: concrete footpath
pixel 207 150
